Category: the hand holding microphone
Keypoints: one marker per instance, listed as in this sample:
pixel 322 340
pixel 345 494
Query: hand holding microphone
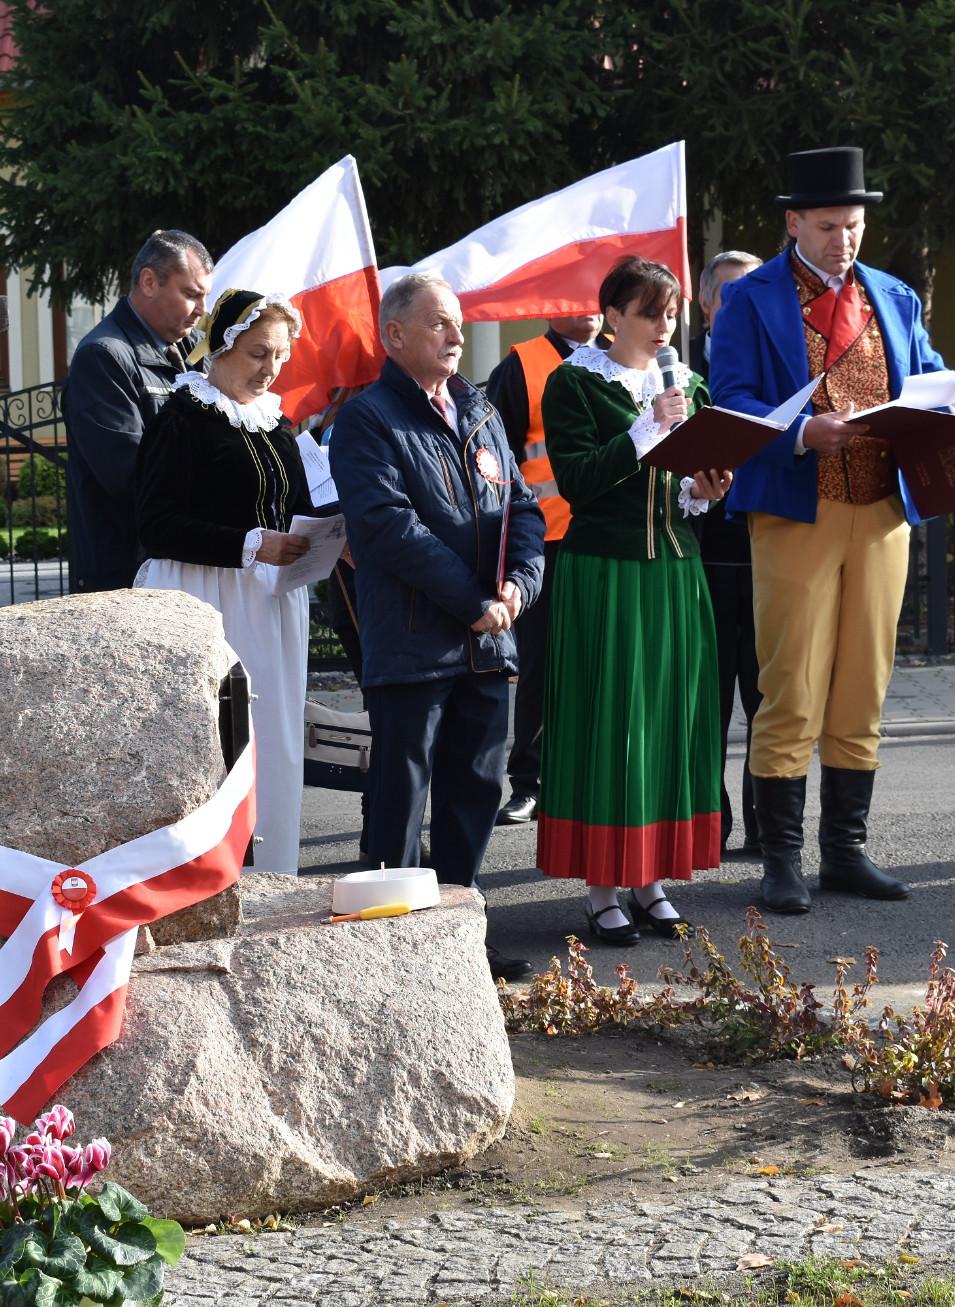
pixel 669 409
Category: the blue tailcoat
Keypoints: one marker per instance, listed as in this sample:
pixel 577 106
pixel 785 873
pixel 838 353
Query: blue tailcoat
pixel 758 359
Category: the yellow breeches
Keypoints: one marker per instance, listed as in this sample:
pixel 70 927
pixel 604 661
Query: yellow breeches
pixel 827 598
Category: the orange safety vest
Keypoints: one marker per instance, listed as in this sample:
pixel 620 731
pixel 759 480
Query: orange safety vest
pixel 539 358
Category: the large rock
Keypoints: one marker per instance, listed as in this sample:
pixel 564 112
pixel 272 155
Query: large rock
pixel 302 1063
pixel 108 716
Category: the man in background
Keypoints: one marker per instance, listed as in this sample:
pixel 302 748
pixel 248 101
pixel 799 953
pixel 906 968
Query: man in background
pixel 724 547
pixel 120 376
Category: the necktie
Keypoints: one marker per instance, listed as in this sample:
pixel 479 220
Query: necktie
pixel 441 404
pixel 174 355
pixel 849 320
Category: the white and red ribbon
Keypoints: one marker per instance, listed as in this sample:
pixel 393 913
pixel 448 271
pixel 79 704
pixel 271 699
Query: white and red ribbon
pixel 132 885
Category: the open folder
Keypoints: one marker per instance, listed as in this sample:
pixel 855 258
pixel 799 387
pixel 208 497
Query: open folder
pixel 922 439
pixel 722 438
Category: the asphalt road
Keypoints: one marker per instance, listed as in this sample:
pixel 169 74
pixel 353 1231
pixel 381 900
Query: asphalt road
pixel 912 831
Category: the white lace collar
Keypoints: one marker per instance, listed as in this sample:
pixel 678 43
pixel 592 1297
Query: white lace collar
pixel 263 414
pixel 642 385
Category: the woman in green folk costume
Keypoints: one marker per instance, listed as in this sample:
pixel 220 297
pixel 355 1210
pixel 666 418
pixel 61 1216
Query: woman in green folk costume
pixel 630 787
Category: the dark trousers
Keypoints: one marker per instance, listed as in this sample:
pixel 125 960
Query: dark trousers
pixel 451 735
pixel 524 761
pixel 731 591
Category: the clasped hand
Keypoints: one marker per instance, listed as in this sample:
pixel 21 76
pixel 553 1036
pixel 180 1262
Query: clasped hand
pixel 281 548
pixel 669 409
pixel 502 614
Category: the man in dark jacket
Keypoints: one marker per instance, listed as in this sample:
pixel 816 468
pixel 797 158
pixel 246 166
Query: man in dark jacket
pixel 120 376
pixel 448 545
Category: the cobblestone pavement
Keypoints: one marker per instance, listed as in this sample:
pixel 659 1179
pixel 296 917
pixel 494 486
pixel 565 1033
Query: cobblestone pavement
pixel 483 1255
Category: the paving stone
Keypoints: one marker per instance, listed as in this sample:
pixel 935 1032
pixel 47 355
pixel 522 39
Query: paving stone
pixel 482 1256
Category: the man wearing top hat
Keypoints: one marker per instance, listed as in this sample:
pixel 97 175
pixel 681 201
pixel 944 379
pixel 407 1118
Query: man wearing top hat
pixel 828 514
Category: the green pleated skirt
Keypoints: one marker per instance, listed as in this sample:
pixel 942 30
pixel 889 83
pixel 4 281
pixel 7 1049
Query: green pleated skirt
pixel 630 768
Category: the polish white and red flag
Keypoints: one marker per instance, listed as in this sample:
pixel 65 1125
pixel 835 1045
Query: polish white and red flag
pixel 548 258
pixel 318 252
pixel 82 921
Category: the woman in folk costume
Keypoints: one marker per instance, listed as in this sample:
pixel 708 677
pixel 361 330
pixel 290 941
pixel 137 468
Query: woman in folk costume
pixel 219 479
pixel 630 790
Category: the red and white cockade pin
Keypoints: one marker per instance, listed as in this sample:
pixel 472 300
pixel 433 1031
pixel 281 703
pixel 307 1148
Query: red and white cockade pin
pixel 74 891
pixel 488 466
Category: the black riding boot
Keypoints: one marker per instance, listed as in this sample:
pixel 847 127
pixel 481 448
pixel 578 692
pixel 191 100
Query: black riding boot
pixel 779 806
pixel 845 866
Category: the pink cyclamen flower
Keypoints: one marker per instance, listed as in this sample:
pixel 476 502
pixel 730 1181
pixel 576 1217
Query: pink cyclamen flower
pixel 8 1128
pixel 75 1161
pixel 58 1122
pixel 96 1155
pixel 52 1164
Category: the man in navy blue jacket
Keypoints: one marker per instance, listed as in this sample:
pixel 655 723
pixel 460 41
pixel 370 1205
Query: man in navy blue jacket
pixel 448 546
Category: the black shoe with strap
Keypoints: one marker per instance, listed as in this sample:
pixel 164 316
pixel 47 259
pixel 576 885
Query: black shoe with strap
pixel 665 927
pixel 779 808
pixel 621 935
pixel 519 808
pixel 845 867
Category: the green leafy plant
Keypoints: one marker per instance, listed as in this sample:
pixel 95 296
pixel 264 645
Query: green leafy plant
pixel 907 1058
pixel 574 1003
pixel 60 1245
pixel 36 544
pixel 764 1014
pixel 41 476
pixel 45 510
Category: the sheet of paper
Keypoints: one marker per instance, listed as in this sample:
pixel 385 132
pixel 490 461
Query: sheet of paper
pixel 787 413
pixel 321 487
pixel 326 539
pixel 928 390
pixel 783 417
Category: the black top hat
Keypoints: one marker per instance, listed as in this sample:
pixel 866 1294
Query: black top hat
pixel 826 179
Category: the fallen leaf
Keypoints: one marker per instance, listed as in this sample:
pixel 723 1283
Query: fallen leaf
pixel 852 1264
pixel 369 1199
pixel 827 1229
pixel 245 1224
pixel 792 1296
pixel 842 962
pixel 601 1154
pixel 752 1261
pixel 812 1102
pixel 903 1294
pixel 747 1095
pixel 931 1099
pixel 885 1086
pixel 681 1103
pixel 671 1179
pixel 908 1259
pixel 846 1300
pixel 704 1066
pixel 767 1170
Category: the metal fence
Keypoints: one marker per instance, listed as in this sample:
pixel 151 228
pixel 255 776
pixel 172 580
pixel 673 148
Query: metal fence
pixel 33 545
pixel 33 536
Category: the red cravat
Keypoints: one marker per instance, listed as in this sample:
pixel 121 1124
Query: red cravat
pixel 441 404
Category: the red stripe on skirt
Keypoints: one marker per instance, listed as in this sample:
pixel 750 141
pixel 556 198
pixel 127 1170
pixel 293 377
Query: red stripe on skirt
pixel 628 855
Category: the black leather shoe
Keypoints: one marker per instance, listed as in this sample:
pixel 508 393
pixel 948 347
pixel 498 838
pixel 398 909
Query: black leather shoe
pixel 845 867
pixel 622 935
pixel 509 969
pixel 518 809
pixel 665 927
pixel 779 809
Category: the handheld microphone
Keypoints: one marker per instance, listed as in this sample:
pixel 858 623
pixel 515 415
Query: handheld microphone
pixel 666 358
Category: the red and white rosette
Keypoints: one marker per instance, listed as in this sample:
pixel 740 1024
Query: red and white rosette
pixel 83 921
